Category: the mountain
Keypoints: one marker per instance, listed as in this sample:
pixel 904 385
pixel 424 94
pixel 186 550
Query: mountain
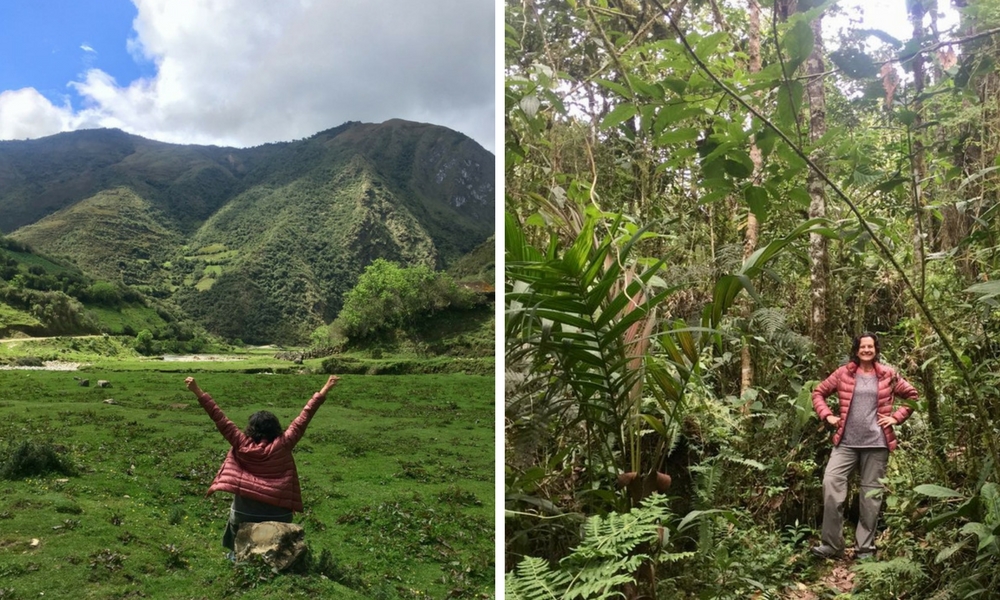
pixel 255 243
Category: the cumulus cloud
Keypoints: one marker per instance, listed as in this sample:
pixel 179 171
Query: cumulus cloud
pixel 87 48
pixel 27 114
pixel 246 72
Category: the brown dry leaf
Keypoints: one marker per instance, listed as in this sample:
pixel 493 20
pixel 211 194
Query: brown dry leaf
pixel 947 58
pixel 890 81
pixel 841 578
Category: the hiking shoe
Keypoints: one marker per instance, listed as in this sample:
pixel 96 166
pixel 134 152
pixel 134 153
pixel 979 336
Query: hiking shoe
pixel 864 555
pixel 824 551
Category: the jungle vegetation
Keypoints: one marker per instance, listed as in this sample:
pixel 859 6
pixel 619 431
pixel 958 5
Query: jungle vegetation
pixel 705 201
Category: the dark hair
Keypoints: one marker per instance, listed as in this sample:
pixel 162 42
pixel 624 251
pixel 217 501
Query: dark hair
pixel 856 345
pixel 263 426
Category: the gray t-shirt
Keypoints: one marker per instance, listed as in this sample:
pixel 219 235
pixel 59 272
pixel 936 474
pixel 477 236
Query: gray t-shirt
pixel 862 429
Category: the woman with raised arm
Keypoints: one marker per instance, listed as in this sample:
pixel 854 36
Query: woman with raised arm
pixel 259 469
pixel 862 439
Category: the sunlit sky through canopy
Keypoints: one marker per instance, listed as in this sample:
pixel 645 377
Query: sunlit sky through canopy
pixel 890 16
pixel 244 72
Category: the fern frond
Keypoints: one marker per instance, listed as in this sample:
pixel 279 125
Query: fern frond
pixel 605 560
pixel 536 580
pixel 746 462
pixel 990 494
pixel 865 175
pixel 729 257
pixel 602 581
pixel 675 556
pixel 770 321
pixel 897 566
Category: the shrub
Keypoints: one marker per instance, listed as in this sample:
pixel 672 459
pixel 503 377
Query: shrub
pixel 104 293
pixel 144 342
pixel 30 459
pixel 26 361
pixel 388 296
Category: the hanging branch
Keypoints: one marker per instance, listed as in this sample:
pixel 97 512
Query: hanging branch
pixel 883 248
pixel 936 45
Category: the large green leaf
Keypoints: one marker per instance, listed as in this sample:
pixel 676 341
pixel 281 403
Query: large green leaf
pixel 789 104
pixel 854 63
pixel 706 46
pixel 728 287
pixel 681 135
pixel 738 164
pixel 797 44
pixel 619 115
pixel 936 491
pixel 758 201
pixel 615 87
pixel 985 290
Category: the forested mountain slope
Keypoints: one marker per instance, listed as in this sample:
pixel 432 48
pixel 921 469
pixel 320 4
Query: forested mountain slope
pixel 257 243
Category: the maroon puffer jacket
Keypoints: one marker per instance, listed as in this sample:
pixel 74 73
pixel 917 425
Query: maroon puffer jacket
pixel 263 471
pixel 842 381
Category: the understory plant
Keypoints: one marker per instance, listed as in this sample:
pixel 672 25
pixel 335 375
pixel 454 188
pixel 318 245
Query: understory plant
pixel 613 548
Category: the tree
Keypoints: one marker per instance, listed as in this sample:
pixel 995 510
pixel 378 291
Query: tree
pixel 144 342
pixel 389 296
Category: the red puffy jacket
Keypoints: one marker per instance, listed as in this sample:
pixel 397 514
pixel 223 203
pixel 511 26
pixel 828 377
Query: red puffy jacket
pixel 842 381
pixel 263 471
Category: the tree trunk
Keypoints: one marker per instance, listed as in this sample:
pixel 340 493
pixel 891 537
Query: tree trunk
pixel 753 227
pixel 918 167
pixel 819 278
pixel 919 173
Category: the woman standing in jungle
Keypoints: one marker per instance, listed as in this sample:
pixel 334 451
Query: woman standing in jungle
pixel 862 439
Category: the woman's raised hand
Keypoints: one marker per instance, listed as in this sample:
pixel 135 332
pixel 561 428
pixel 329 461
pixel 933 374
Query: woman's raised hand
pixel 192 385
pixel 332 381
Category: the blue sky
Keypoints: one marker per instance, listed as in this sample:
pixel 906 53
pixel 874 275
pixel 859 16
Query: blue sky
pixel 245 72
pixel 53 42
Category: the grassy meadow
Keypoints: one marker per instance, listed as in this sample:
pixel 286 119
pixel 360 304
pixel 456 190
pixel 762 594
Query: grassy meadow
pixel 396 473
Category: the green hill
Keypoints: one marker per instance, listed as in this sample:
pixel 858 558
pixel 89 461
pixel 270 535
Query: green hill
pixel 479 265
pixel 254 243
pixel 112 235
pixel 41 296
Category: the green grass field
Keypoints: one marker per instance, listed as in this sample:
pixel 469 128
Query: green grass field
pixel 396 473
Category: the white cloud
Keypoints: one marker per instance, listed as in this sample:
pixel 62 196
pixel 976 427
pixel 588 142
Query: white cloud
pixel 27 114
pixel 87 48
pixel 246 72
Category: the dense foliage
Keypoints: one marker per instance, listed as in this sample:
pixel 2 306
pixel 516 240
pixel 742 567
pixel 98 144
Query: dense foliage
pixel 389 296
pixel 705 205
pixel 39 296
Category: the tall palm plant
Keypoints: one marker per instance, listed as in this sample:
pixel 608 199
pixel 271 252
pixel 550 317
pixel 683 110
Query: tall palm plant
pixel 585 319
pixel 584 329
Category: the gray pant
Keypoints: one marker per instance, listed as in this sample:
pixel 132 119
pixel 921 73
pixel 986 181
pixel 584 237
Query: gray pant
pixel 872 463
pixel 245 510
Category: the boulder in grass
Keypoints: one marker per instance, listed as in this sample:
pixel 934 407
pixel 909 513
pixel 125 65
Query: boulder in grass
pixel 280 545
pixel 103 383
pixel 83 382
